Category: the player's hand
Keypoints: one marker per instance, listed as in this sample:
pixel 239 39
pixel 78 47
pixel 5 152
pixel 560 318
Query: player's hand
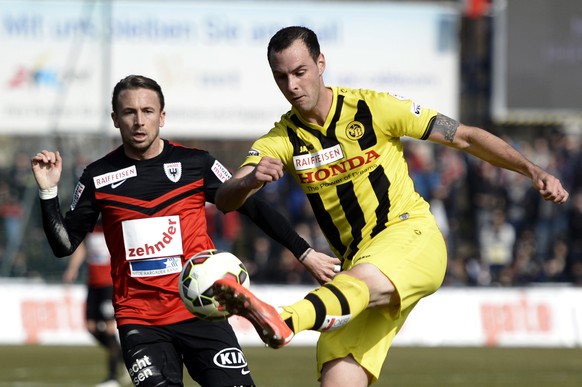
pixel 322 266
pixel 267 171
pixel 47 167
pixel 550 187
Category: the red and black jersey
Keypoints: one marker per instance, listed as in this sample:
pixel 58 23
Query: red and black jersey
pixel 153 219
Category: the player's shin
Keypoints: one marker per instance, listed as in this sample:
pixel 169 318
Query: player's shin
pixel 329 307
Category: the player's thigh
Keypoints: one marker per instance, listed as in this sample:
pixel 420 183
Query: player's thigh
pixel 212 353
pixel 413 255
pixel 150 356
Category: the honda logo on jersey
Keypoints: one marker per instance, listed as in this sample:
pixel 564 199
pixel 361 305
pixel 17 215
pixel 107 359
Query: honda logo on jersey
pixel 173 171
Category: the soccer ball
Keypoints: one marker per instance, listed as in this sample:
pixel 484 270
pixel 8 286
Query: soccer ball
pixel 198 275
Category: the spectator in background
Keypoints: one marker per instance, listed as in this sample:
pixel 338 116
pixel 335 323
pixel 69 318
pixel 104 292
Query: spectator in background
pixel 575 228
pixel 566 151
pixel 11 213
pixel 263 263
pixel 99 315
pixel 550 221
pixel 526 268
pixel 19 174
pixel 496 241
pixel 292 272
pixel 422 168
pixel 517 189
pixel 451 166
pixel 554 266
pixel 488 191
pixel 222 228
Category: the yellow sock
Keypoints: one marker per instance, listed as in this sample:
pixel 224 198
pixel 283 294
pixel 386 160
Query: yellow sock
pixel 328 307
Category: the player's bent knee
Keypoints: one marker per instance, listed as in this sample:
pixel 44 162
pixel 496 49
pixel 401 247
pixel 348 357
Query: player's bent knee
pixel 382 290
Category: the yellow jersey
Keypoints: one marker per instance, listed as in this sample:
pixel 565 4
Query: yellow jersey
pixel 352 169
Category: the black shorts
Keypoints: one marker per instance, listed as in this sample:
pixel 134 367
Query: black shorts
pixel 99 305
pixel 156 355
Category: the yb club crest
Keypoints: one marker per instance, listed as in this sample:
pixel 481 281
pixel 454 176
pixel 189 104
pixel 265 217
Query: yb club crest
pixel 355 130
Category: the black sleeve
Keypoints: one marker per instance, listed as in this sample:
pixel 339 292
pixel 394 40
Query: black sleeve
pixel 66 232
pixel 274 224
pixel 62 241
pixel 267 218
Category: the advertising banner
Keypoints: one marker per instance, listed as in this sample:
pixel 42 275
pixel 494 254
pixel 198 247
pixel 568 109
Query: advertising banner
pixel 517 317
pixel 61 59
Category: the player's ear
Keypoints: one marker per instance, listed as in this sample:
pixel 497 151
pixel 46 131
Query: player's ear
pixel 162 118
pixel 114 119
pixel 321 63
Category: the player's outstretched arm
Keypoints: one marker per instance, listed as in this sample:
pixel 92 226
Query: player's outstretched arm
pixel 496 151
pixel 247 180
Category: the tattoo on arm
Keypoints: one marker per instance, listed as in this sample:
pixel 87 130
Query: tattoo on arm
pixel 445 125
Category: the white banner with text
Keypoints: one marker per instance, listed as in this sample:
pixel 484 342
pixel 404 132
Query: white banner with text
pixel 536 317
pixel 61 59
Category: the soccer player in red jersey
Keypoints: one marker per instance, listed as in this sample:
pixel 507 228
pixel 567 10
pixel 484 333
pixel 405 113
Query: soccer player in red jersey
pixel 151 194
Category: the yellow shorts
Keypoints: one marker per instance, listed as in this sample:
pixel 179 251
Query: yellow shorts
pixel 412 254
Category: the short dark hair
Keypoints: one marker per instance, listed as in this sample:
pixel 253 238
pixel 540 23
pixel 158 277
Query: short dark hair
pixel 286 36
pixel 132 82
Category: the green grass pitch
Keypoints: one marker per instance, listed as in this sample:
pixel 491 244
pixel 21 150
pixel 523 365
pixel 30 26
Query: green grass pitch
pixel 64 366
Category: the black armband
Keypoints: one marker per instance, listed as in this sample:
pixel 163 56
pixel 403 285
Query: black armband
pixel 274 224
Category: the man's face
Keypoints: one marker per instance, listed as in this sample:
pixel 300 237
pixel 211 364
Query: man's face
pixel 139 119
pixel 298 76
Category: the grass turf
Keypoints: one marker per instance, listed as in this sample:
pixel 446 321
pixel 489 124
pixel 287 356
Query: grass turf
pixel 44 366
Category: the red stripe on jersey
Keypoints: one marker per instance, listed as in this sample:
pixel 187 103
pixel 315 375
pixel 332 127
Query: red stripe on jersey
pixel 148 203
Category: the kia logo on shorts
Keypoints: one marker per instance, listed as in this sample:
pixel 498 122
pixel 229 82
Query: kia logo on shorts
pixel 230 358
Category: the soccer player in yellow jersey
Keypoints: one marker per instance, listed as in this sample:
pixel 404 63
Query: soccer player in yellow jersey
pixel 343 146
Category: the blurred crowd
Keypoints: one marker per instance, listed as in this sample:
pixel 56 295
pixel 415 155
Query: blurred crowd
pixel 498 230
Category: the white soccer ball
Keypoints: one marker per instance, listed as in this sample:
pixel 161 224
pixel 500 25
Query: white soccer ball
pixel 198 275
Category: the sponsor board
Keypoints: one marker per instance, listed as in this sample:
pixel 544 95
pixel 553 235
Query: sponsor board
pixel 520 317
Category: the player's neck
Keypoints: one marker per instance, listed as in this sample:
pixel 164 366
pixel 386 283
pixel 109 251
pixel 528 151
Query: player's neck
pixel 318 115
pixel 153 150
